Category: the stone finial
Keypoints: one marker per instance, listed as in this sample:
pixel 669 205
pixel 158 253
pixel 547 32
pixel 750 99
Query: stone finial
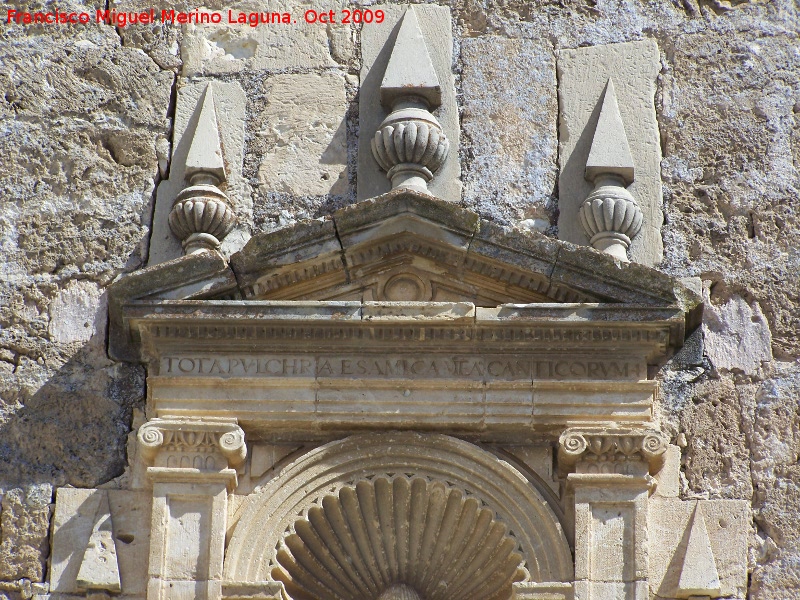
pixel 699 575
pixel 410 144
pixel 410 69
pixel 202 215
pixel 610 215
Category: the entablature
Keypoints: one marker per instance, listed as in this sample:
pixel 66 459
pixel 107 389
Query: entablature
pixel 315 370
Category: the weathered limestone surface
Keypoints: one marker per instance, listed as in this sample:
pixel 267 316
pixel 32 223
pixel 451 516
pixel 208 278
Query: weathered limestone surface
pixel 509 125
pixel 211 50
pixel 82 116
pixel 729 123
pixel 25 523
pixel 303 132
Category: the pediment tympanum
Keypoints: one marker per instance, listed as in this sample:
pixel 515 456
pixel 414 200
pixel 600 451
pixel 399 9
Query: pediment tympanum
pixel 410 246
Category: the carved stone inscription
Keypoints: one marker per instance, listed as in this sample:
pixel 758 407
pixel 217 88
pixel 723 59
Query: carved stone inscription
pixel 464 367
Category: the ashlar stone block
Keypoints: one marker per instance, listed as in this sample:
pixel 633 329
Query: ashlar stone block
pixel 305 135
pixel 510 111
pixel 583 74
pixel 220 49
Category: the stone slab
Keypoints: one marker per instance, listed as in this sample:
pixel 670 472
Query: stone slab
pixel 510 115
pixel 582 77
pixel 77 314
pixel 304 133
pixel 377 41
pixel 736 335
pixel 229 99
pixel 73 524
pixel 728 525
pixel 668 479
pixel 225 48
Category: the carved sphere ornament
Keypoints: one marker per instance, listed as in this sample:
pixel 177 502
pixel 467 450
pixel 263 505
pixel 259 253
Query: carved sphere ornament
pixel 410 146
pixel 201 217
pixel 611 216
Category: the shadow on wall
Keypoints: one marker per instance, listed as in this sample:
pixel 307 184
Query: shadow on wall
pixel 73 429
pixel 64 426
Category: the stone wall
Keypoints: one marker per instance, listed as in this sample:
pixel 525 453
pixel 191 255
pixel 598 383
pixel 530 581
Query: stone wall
pixel 86 115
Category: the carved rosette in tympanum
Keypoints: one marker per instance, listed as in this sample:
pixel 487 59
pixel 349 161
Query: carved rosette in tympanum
pixel 410 146
pixel 611 216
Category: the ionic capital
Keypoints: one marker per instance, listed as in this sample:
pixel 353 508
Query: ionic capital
pixel 611 451
pixel 192 443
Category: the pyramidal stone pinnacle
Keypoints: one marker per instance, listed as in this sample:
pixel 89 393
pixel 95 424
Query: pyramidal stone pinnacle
pixel 205 151
pixel 202 215
pixel 99 568
pixel 699 575
pixel 610 152
pixel 410 70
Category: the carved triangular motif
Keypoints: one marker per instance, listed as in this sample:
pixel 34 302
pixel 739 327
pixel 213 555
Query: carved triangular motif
pixel 410 69
pixel 610 151
pixel 699 575
pixel 99 569
pixel 205 151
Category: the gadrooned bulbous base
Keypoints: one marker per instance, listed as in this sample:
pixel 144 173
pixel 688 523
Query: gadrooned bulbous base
pixel 201 217
pixel 611 218
pixel 410 146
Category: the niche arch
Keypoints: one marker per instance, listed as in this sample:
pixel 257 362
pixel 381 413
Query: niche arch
pixel 355 496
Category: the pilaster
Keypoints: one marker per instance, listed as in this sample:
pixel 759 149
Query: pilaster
pixel 192 470
pixel 611 485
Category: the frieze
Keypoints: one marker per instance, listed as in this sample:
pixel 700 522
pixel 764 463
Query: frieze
pixel 482 368
pixel 412 333
pixel 286 277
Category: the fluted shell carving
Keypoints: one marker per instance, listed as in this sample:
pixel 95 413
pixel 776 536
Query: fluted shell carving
pixel 410 140
pixel 611 217
pixel 400 539
pixel 201 217
pixel 399 592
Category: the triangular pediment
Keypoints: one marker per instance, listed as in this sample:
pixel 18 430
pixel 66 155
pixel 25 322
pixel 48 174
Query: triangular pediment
pixel 401 246
pixel 409 246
